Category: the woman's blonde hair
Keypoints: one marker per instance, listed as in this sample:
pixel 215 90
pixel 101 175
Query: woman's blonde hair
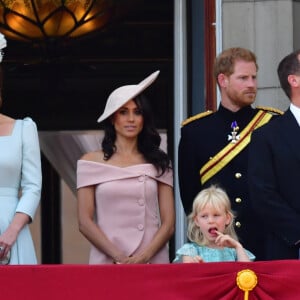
pixel 216 197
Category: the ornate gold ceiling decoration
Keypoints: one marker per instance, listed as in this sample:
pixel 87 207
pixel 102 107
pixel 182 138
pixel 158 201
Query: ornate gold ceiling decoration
pixel 40 20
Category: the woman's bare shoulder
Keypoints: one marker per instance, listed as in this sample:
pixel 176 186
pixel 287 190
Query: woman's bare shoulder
pixel 6 125
pixel 96 156
pixel 6 119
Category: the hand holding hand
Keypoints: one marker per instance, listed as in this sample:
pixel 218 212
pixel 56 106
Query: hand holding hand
pixel 134 259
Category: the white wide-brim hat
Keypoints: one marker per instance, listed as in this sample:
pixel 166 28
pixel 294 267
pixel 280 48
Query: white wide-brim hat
pixel 125 93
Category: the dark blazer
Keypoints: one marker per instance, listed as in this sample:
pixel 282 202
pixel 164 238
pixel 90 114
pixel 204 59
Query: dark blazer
pixel 202 139
pixel 274 182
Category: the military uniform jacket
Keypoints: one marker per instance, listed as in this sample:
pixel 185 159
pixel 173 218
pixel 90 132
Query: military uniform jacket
pixel 274 179
pixel 201 140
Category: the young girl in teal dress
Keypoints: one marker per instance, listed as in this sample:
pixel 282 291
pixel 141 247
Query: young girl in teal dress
pixel 210 231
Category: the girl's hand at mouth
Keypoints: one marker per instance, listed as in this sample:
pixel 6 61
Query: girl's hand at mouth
pixel 224 240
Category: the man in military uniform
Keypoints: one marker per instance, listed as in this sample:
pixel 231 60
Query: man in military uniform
pixel 213 145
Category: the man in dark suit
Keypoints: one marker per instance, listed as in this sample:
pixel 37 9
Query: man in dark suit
pixel 274 169
pixel 213 148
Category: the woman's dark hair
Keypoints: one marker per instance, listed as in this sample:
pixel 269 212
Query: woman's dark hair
pixel 148 139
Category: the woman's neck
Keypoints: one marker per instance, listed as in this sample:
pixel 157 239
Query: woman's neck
pixel 126 146
pixel 127 153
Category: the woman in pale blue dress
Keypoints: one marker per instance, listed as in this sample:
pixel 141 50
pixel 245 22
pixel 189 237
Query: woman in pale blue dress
pixel 211 232
pixel 20 187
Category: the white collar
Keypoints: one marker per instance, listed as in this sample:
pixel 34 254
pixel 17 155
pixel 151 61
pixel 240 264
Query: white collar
pixel 296 112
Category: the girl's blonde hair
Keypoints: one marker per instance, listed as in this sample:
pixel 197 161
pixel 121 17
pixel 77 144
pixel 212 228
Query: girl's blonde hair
pixel 216 197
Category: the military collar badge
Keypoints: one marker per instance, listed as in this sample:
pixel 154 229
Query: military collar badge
pixel 234 136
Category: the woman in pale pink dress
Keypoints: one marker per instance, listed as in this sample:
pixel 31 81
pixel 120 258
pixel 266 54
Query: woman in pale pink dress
pixel 125 190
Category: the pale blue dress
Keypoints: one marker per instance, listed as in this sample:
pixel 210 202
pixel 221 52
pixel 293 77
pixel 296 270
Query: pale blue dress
pixel 209 254
pixel 20 184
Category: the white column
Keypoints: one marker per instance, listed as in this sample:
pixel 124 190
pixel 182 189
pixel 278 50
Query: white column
pixel 180 106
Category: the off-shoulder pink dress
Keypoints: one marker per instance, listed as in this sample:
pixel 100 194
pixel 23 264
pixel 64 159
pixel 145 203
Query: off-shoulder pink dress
pixel 126 206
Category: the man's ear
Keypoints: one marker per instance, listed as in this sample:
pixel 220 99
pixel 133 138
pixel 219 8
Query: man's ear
pixel 222 80
pixel 293 80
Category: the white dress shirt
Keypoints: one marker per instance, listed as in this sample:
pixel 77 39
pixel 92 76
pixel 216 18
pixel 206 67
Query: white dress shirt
pixel 296 112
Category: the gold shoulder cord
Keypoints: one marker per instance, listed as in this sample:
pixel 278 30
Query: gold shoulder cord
pixel 271 109
pixel 196 117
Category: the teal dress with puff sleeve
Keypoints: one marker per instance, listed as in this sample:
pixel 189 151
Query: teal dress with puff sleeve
pixel 209 254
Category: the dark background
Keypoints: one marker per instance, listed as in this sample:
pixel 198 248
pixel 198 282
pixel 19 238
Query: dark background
pixel 64 85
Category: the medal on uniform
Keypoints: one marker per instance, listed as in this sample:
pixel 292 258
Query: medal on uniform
pixel 234 136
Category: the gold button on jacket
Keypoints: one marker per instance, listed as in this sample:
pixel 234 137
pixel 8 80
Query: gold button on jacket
pixel 238 224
